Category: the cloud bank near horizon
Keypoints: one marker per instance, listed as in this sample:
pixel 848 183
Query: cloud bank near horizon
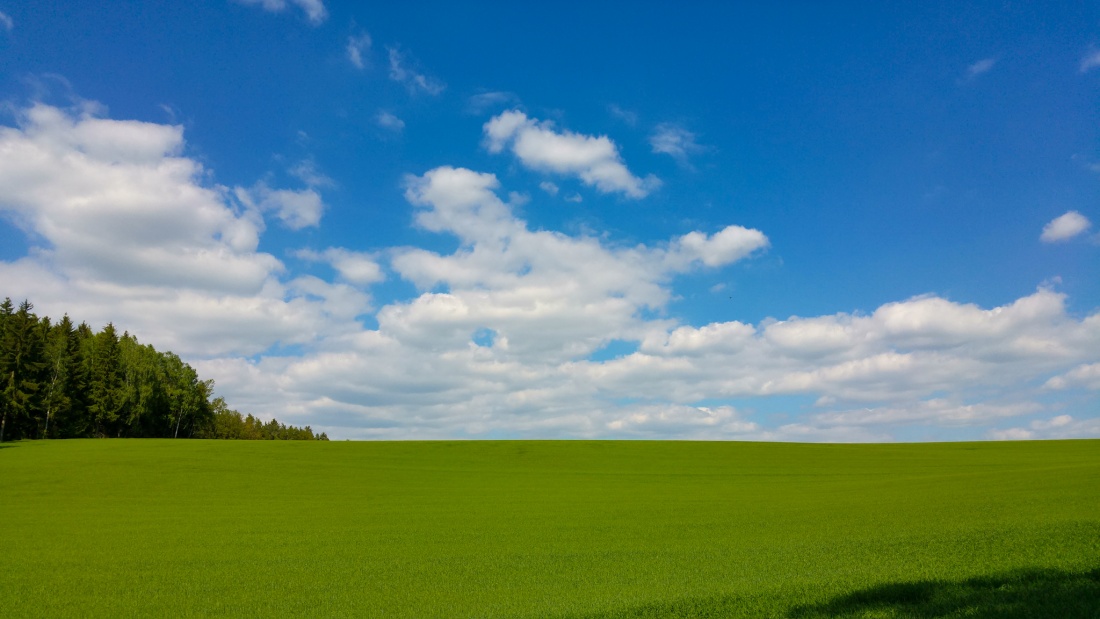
pixel 517 331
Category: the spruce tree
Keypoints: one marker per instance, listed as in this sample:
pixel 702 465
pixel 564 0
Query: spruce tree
pixel 59 350
pixel 21 367
pixel 106 394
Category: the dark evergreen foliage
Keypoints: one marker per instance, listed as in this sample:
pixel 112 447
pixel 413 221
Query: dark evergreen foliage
pixel 65 381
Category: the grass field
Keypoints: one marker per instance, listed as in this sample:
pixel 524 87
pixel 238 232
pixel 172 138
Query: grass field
pixel 549 529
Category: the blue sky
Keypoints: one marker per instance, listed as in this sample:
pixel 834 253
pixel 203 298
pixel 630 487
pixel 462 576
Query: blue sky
pixel 793 222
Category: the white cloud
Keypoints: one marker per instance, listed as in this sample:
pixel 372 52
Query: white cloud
pixel 414 81
pixel 420 374
pixel 1087 376
pixel 1059 427
pixel 982 66
pixel 937 411
pixel 541 291
pixel 549 187
pixel 1065 227
pixel 300 208
pixel 113 200
pixel 1090 61
pixel 724 247
pixel 314 9
pixel 675 141
pixel 355 267
pixel 358 46
pixel 503 334
pixel 6 22
pixel 124 230
pixel 903 353
pixel 657 420
pixel 595 160
pixel 386 120
pixel 550 300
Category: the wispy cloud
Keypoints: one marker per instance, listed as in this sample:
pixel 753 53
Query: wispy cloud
pixel 386 120
pixel 6 22
pixel 402 72
pixel 482 102
pixel 314 9
pixel 627 116
pixel 978 68
pixel 307 172
pixel 357 48
pixel 1065 227
pixel 675 141
pixel 1090 61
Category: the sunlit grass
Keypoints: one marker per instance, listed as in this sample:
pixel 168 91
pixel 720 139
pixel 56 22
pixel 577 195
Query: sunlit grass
pixel 544 529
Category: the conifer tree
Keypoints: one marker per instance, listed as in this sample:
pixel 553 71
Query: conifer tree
pixel 105 393
pixel 55 394
pixel 61 381
pixel 21 366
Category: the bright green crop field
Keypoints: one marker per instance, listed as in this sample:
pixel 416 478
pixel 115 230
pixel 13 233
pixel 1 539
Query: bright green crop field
pixel 578 529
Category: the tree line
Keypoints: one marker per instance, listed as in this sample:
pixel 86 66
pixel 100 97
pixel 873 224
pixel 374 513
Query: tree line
pixel 61 380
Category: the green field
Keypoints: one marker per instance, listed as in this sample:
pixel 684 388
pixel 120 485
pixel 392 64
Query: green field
pixel 549 529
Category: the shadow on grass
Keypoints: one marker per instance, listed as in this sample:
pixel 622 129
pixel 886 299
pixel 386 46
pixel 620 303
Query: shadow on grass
pixel 1014 595
pixel 1024 594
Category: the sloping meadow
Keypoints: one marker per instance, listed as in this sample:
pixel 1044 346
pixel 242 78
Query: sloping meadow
pixel 549 529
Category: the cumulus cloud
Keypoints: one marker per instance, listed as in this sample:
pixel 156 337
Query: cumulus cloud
pixel 355 267
pixel 1087 376
pixel 562 297
pixel 124 229
pixel 297 208
pixel 416 82
pixel 724 247
pixel 595 160
pixel 549 187
pixel 314 9
pixel 358 46
pixel 904 352
pixel 502 334
pixel 675 141
pixel 114 200
pixel 387 120
pixel 1090 61
pixel 505 333
pixel 1065 227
